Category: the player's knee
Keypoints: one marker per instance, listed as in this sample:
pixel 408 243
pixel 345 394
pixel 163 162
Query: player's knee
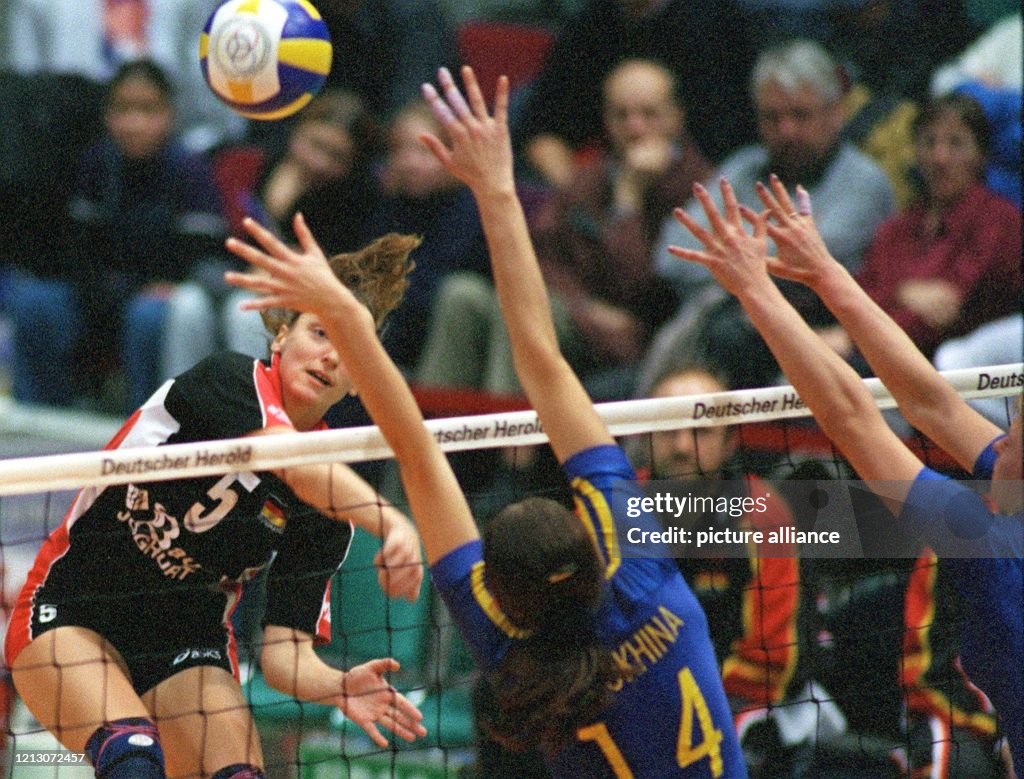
pixel 240 771
pixel 127 749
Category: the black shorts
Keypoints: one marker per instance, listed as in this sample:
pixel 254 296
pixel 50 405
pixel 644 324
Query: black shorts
pixel 157 640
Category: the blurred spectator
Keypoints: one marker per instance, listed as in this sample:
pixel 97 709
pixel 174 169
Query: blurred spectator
pixel 993 58
pixel 751 596
pixel 46 122
pixel 595 239
pixel 385 49
pixel 560 114
pixel 950 262
pixel 880 124
pixel 594 242
pixel 421 197
pixel 144 214
pixel 93 38
pixel 382 51
pixel 989 70
pixel 797 90
pixel 711 330
pixel 999 342
pixel 325 171
pixel 893 46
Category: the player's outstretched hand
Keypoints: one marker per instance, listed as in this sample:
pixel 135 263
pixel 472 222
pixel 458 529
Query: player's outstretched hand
pixel 399 563
pixel 372 703
pixel 802 254
pixel 737 259
pixel 480 151
pixel 298 279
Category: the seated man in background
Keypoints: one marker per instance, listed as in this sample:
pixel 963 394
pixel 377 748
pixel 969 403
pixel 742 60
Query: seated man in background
pixel 798 93
pixel 594 241
pixel 560 119
pixel 751 596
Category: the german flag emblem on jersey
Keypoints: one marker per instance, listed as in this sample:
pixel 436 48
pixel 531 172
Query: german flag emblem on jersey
pixel 273 516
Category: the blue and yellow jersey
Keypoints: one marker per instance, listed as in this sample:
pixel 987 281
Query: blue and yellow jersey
pixel 984 554
pixel 669 716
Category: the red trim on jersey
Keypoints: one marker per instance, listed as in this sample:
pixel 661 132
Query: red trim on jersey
pixel 19 630
pixel 123 431
pixel 235 590
pixel 267 380
pixel 323 622
pixel 56 545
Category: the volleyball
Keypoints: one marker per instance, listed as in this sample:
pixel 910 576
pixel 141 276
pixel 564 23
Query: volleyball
pixel 266 59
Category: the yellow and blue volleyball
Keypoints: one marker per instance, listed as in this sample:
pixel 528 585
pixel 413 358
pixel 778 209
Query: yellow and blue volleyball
pixel 265 58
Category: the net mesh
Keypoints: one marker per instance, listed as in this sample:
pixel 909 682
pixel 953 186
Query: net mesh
pixel 839 666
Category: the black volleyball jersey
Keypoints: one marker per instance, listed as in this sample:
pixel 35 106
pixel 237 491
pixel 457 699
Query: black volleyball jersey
pixel 169 557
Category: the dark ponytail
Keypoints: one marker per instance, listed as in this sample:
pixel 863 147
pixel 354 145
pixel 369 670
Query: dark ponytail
pixel 547 577
pixel 543 692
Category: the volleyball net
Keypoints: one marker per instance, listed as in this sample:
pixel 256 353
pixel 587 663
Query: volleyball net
pixel 844 658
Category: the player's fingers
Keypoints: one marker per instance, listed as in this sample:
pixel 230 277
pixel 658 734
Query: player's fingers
pixel 383 665
pixel 405 709
pixel 438 106
pixel 401 717
pixel 756 220
pixel 437 148
pixel 243 280
pixel 803 201
pixel 710 209
pixel 249 253
pixel 782 196
pixel 262 303
pixel 370 728
pixel 452 94
pixel 691 255
pixel 695 228
pixel 769 201
pixel 730 205
pixel 473 93
pixel 265 238
pixel 501 101
pixel 403 727
pixel 308 243
pixel 247 279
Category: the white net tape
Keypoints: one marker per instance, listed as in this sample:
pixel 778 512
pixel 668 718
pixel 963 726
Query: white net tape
pixel 519 428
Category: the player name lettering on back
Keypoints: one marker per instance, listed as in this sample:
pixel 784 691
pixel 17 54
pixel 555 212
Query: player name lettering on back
pixel 646 646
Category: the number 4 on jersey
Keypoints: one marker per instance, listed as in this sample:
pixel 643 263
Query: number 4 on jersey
pixel 687 753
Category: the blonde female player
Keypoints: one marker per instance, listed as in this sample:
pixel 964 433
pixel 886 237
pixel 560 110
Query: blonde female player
pixel 120 642
pixel 601 659
pixel 980 541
